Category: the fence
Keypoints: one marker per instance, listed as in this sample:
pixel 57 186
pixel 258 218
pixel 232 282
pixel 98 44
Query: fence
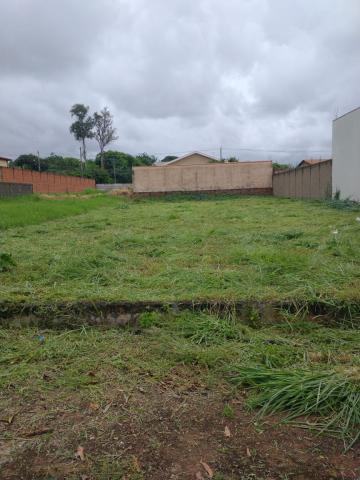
pixel 46 182
pixel 240 177
pixel 314 181
pixel 14 189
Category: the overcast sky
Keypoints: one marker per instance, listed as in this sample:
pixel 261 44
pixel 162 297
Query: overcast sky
pixel 180 75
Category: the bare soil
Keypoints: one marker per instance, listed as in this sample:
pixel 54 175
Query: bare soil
pixel 173 429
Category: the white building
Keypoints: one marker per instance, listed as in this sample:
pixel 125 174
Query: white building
pixel 346 155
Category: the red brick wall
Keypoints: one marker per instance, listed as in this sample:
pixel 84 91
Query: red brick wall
pixel 46 182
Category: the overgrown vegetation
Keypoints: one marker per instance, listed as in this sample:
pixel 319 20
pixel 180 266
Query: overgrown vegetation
pixel 163 340
pixel 296 366
pixel 178 248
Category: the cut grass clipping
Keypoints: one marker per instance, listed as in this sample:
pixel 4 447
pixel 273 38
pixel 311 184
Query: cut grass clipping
pixel 335 395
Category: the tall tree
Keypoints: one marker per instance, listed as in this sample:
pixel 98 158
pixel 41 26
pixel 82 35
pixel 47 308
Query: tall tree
pixel 104 131
pixel 83 126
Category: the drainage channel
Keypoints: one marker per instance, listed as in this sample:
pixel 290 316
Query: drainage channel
pixel 123 313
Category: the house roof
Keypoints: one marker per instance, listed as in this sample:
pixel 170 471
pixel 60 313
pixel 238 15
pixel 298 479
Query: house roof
pixel 304 163
pixel 188 155
pixel 5 158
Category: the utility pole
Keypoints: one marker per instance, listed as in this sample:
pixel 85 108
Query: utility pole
pixel 38 159
pixel 220 153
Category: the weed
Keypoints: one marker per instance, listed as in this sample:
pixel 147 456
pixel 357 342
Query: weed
pixel 148 319
pixel 228 411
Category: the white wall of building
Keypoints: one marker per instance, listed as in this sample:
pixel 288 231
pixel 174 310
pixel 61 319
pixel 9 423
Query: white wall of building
pixel 346 155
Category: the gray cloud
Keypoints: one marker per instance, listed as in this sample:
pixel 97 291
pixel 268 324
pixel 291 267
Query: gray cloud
pixel 268 75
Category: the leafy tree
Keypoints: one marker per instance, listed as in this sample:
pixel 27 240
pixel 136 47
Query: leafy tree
pixel 63 165
pixel 104 132
pixel 145 159
pixel 83 126
pixel 281 166
pixel 168 158
pixel 118 165
pixel 29 161
pixel 100 175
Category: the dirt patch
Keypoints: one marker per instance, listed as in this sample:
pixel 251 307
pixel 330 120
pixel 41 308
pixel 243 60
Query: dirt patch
pixel 162 431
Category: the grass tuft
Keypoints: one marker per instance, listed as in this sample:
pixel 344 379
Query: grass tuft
pixel 204 329
pixel 333 394
pixel 6 262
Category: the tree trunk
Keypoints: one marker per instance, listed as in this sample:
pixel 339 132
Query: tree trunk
pixel 84 150
pixel 102 158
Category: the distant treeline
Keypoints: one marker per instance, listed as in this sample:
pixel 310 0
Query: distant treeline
pixel 117 165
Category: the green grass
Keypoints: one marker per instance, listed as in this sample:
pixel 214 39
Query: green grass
pixel 298 366
pixel 331 394
pixel 222 248
pixel 36 209
pixel 206 330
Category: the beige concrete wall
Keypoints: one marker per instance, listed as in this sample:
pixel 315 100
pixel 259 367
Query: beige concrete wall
pixel 193 159
pixel 346 155
pixel 197 178
pixel 3 163
pixel 313 181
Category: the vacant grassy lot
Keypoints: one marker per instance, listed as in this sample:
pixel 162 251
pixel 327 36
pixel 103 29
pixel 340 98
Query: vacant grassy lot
pixel 172 396
pixel 154 402
pixel 230 248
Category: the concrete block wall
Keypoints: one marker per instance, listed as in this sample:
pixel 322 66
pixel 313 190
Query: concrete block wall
pixel 15 189
pixel 46 182
pixel 313 181
pixel 242 177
